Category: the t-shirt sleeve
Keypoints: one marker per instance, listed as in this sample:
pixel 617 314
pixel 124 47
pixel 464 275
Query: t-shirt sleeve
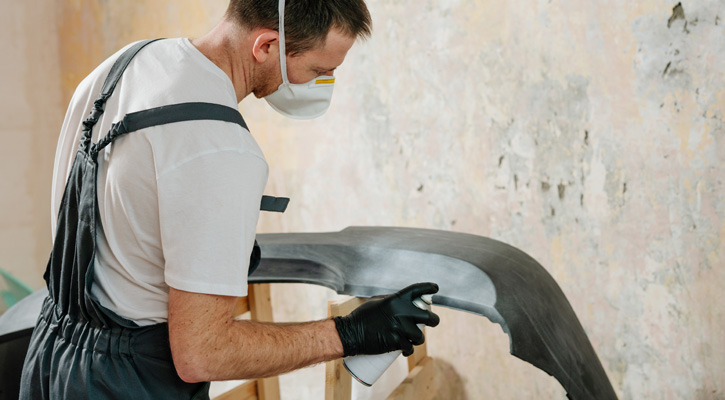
pixel 208 212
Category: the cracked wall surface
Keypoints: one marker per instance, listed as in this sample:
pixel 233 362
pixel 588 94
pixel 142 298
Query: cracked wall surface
pixel 588 134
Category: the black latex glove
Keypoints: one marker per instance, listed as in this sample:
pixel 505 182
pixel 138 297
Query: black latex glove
pixel 387 324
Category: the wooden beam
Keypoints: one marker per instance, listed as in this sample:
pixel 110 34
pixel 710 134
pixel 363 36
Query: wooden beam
pixel 241 306
pixel 260 302
pixel 419 353
pixel 340 308
pixel 245 391
pixel 338 382
pixel 260 306
pixel 419 385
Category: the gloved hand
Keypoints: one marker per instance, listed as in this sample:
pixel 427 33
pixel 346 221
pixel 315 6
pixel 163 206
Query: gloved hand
pixel 387 324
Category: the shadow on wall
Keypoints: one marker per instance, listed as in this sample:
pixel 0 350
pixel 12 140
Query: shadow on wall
pixel 447 383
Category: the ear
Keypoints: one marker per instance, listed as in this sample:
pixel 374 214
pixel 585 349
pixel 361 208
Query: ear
pixel 266 45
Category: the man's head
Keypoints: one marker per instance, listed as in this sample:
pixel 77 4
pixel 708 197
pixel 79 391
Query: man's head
pixel 306 22
pixel 318 34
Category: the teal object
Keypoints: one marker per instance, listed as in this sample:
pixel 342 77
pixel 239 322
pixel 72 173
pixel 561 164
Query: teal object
pixel 12 291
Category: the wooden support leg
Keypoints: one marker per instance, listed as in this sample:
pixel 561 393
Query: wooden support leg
pixel 260 306
pixel 418 385
pixel 245 391
pixel 338 382
pixel 241 306
pixel 419 353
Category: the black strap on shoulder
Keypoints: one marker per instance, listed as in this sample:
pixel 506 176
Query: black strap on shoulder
pixel 135 121
pixel 99 105
pixel 119 67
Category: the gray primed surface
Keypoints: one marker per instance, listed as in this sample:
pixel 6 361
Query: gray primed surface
pixel 24 314
pixel 475 274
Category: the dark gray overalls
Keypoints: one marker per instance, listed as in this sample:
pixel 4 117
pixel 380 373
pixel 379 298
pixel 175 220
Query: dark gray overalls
pixel 80 349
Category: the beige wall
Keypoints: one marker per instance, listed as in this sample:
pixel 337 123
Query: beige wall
pixel 48 47
pixel 31 111
pixel 589 134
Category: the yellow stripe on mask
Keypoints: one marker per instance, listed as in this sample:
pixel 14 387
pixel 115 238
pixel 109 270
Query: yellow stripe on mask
pixel 319 81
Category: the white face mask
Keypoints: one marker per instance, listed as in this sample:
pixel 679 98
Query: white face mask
pixel 299 100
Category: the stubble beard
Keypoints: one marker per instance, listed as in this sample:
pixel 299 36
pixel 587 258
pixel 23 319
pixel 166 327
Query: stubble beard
pixel 267 84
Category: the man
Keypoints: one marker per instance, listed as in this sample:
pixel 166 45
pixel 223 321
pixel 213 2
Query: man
pixel 178 205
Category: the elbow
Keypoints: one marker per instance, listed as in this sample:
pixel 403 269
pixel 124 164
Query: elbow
pixel 191 364
pixel 191 369
pixel 196 324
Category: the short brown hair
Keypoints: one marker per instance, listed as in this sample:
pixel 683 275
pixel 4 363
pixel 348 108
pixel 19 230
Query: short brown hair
pixel 306 22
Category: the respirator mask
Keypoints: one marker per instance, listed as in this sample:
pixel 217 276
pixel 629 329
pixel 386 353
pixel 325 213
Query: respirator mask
pixel 299 101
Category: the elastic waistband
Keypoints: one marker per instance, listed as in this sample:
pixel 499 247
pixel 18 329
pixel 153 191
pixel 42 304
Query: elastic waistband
pixel 151 341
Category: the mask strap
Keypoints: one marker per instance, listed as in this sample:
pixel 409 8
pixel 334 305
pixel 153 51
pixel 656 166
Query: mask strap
pixel 282 50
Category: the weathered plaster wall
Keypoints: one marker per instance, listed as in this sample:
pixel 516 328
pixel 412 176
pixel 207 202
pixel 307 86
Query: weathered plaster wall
pixel 31 111
pixel 91 30
pixel 589 134
pixel 48 48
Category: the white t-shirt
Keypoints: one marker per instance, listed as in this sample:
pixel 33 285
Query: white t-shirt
pixel 178 203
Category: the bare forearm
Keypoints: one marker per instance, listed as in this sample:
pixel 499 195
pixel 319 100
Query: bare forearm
pixel 258 349
pixel 208 344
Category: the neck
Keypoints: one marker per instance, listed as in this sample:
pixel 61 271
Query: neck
pixel 224 46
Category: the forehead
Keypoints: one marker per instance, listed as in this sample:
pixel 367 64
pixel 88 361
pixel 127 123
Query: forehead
pixel 332 53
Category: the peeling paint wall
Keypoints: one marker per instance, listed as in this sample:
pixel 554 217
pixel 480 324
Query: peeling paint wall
pixel 589 134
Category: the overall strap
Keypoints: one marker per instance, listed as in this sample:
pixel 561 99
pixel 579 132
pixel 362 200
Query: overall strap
pixel 136 121
pixel 119 66
pixel 194 111
pixel 158 116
